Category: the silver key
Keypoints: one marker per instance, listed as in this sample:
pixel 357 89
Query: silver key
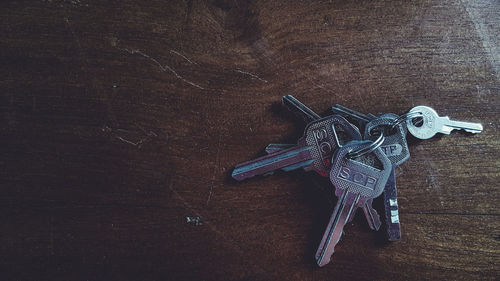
pixel 433 124
pixel 275 147
pixel 299 109
pixel 313 151
pixel 355 181
pixel 294 105
pixel 358 118
pixel 396 149
pixel 372 216
pixel 361 120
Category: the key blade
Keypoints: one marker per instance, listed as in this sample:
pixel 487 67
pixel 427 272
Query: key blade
pixel 271 162
pixel 297 166
pixel 353 214
pixel 299 108
pixel 347 112
pixel 391 208
pixel 353 116
pixel 433 123
pixel 372 216
pixel 474 131
pixel 446 130
pixel 460 125
pixel 355 181
pixel 275 147
pixel 345 206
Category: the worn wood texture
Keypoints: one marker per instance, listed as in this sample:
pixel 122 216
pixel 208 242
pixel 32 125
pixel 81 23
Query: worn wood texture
pixel 120 119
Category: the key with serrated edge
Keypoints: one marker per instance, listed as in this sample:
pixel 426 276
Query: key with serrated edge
pixel 371 215
pixel 355 181
pixel 313 151
pixel 433 124
pixel 360 119
pixel 395 147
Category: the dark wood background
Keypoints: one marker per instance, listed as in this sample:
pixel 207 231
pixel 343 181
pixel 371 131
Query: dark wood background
pixel 121 119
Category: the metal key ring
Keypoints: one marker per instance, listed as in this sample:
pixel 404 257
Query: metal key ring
pixel 407 116
pixel 368 148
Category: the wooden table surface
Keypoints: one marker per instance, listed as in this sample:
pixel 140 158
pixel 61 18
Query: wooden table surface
pixel 122 121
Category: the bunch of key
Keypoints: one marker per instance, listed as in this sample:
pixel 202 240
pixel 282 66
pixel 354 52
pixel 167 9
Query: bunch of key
pixel 358 152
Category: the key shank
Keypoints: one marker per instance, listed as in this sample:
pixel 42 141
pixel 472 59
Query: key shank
pixel 343 210
pixel 448 125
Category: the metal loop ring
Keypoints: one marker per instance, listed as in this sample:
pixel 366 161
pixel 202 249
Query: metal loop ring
pixel 407 116
pixel 368 148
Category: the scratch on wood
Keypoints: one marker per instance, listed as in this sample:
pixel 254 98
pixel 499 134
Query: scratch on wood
pixel 215 168
pixel 184 202
pixel 164 68
pixel 184 57
pixel 310 78
pixel 251 75
pixel 138 144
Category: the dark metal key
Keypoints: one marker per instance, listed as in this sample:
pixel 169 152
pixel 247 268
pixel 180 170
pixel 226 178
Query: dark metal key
pixel 312 152
pixel 299 109
pixel 361 120
pixel 372 216
pixel 355 181
pixel 275 147
pixel 395 147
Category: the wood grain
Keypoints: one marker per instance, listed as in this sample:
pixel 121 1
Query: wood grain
pixel 123 118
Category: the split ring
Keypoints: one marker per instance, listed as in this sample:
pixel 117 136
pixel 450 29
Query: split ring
pixel 407 116
pixel 368 148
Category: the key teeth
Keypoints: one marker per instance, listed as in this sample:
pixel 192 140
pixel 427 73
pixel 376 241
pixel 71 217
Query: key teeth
pixel 446 130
